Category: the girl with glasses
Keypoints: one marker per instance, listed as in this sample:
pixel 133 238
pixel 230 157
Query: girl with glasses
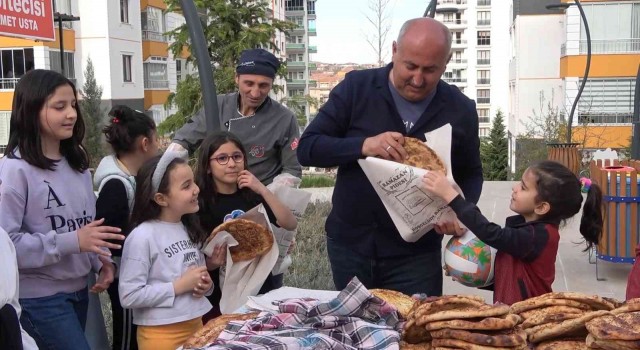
pixel 228 190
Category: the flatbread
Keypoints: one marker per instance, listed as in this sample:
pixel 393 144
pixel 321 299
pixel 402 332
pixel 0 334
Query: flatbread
pixel 461 344
pixel 421 156
pixel 254 240
pixel 464 313
pixel 624 326
pixel 421 346
pixel 558 309
pixel 509 338
pixel 594 343
pixel 484 324
pixel 536 303
pixel 632 305
pixel 400 301
pixel 542 318
pixel 555 330
pixel 563 344
pixel 414 334
pixel 210 332
pixel 450 303
pixel 596 302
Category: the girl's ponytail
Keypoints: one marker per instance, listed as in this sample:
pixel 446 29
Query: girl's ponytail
pixel 125 125
pixel 592 221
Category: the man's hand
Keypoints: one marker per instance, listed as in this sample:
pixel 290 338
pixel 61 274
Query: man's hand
pixel 388 145
pixel 106 276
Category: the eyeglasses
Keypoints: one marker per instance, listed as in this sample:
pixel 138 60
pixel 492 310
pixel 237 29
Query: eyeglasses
pixel 223 159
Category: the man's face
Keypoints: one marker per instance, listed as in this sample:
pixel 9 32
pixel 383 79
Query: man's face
pixel 417 68
pixel 253 89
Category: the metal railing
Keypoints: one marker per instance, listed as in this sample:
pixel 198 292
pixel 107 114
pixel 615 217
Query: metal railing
pixel 611 46
pixel 156 84
pixel 459 42
pixel 153 36
pixel 8 83
pixel 458 61
pixel 453 2
pixel 484 81
pixel 483 100
pixel 454 21
pixel 295 46
pixel 606 117
pixel 484 61
pixel 294 8
pixel 454 79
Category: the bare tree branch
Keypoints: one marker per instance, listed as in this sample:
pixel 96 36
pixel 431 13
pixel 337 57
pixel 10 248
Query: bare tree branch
pixel 380 19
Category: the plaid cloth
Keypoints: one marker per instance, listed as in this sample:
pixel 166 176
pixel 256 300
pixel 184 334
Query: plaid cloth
pixel 354 320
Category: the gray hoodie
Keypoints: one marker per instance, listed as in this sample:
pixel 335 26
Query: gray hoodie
pixel 108 169
pixel 42 210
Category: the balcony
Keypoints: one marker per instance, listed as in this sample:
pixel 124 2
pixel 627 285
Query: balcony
pixel 483 100
pixel 299 29
pixel 485 120
pixel 156 84
pixel 296 83
pixel 457 61
pixel 8 83
pixel 312 66
pixel 294 10
pixel 295 47
pixel 452 2
pixel 484 81
pixel 296 65
pixel 611 46
pixel 313 49
pixel 484 22
pixel 483 61
pixel 453 80
pixel 148 35
pixel 312 31
pixel 455 23
pixel 458 43
pixel 311 14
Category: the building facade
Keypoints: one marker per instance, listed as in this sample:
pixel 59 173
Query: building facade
pixel 479 66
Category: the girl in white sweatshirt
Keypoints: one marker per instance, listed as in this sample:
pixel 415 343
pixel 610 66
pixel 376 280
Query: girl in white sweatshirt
pixel 163 276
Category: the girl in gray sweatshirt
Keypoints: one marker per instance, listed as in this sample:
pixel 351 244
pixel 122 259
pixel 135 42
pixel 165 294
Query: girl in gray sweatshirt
pixel 163 275
pixel 47 207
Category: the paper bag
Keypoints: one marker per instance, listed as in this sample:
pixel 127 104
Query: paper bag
pixel 284 187
pixel 414 211
pixel 244 278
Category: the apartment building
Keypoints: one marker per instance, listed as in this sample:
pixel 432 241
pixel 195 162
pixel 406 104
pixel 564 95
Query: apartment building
pixel 604 114
pixel 298 48
pixel 479 66
pixel 535 85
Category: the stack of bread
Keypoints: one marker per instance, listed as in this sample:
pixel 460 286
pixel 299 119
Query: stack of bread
pixel 557 320
pixel 463 322
pixel 210 332
pixel 619 330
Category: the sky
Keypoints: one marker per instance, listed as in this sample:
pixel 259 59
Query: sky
pixel 342 27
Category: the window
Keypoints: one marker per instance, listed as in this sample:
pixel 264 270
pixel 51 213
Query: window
pixel 69 66
pixel 295 75
pixel 484 77
pixel 5 118
pixel 484 57
pixel 294 5
pixel 483 115
pixel 484 2
pixel 296 92
pixel 484 18
pixel 299 20
pixel 13 64
pixel 483 132
pixel 155 73
pixel 153 24
pixel 484 38
pixel 483 96
pixel 614 27
pixel 311 7
pixel 124 11
pixel 180 65
pixel 607 101
pixel 126 69
pixel 64 7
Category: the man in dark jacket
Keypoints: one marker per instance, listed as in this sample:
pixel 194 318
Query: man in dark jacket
pixel 368 114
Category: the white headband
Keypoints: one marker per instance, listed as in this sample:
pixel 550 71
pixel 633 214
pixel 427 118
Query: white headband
pixel 161 168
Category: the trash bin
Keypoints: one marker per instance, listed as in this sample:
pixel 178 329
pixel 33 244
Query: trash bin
pixel 621 188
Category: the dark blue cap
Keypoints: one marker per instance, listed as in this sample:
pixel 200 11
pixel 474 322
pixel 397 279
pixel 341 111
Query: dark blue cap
pixel 259 62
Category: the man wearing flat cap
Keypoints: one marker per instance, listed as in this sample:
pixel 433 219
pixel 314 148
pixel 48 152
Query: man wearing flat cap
pixel 268 130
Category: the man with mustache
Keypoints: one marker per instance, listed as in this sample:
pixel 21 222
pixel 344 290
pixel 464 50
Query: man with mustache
pixel 368 114
pixel 268 130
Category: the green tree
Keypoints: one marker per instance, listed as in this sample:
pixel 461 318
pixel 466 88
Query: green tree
pixel 495 151
pixel 230 26
pixel 93 113
pixel 298 105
